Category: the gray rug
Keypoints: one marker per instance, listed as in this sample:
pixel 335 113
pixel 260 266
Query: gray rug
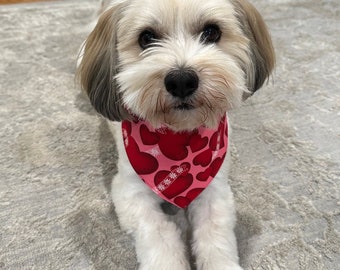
pixel 58 157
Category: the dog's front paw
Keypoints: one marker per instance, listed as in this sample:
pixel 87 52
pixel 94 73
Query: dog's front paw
pixel 159 261
pixel 214 265
pixel 163 257
pixel 219 253
pixel 168 266
pixel 159 247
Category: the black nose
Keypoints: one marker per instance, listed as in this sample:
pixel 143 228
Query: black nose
pixel 181 83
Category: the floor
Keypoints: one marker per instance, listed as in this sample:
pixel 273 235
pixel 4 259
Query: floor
pixel 4 2
pixel 58 158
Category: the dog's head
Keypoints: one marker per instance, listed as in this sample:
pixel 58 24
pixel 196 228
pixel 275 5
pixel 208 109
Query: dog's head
pixel 182 64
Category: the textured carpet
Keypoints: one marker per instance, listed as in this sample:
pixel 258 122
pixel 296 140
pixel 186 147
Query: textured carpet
pixel 58 157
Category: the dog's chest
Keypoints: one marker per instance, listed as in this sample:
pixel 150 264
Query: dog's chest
pixel 176 166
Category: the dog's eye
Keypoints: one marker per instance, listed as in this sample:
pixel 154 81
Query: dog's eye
pixel 146 39
pixel 211 34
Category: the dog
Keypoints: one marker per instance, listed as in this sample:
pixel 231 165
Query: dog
pixel 167 72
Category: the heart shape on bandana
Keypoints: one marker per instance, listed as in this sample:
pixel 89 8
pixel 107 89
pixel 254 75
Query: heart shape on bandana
pixel 171 184
pixel 185 201
pixel 127 128
pixel 143 163
pixel 216 141
pixel 148 137
pixel 203 176
pixel 203 158
pixel 174 145
pixel 216 165
pixel 197 143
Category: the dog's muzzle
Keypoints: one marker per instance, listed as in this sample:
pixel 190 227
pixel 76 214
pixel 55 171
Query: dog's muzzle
pixel 181 83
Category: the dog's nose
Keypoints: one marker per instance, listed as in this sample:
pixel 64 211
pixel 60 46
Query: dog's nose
pixel 181 83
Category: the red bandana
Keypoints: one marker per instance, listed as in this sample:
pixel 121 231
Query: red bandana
pixel 176 166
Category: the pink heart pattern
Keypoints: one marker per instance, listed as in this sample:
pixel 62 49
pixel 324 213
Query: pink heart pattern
pixel 176 166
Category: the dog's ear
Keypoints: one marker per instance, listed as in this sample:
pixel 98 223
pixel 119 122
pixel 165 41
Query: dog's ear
pixel 98 67
pixel 262 51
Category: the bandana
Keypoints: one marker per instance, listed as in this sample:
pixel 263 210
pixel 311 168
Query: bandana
pixel 177 166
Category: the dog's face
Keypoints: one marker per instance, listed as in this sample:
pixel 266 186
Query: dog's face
pixel 182 64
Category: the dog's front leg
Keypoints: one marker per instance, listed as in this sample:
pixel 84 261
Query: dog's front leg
pixel 158 240
pixel 212 217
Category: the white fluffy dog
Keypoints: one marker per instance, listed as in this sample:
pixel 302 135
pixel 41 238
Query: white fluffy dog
pixel 170 70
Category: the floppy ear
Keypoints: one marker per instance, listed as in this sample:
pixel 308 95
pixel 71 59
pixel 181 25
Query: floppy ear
pixel 98 67
pixel 262 51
